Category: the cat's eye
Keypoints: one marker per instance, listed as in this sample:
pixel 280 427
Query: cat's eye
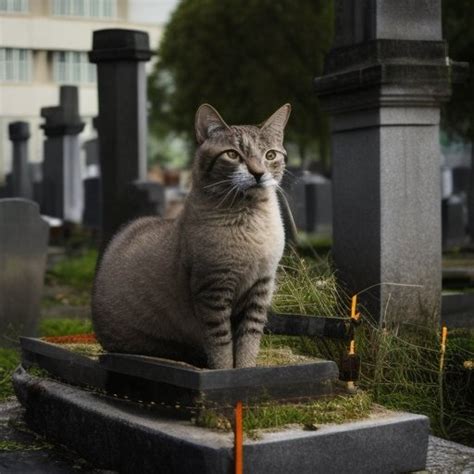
pixel 232 154
pixel 270 155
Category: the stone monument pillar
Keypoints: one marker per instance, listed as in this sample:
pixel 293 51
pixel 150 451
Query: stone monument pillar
pixel 120 56
pixel 383 85
pixel 62 175
pixel 19 134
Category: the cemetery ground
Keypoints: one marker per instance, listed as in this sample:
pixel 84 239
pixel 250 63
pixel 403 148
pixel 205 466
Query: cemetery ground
pixel 400 368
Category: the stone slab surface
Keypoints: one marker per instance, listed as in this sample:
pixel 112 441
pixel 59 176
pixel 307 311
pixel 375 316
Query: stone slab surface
pixel 443 456
pixel 126 436
pixel 152 379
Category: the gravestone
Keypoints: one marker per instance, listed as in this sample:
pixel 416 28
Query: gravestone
pixel 19 134
pixel 461 176
pixel 120 56
pixel 62 180
pixel 446 182
pixel 91 149
pixel 36 178
pixel 454 220
pixel 23 249
pixel 311 202
pixel 383 85
pixel 318 204
pixel 92 214
pixel 470 198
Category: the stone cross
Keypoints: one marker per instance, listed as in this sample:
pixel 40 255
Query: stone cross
pixel 19 134
pixel 383 85
pixel 120 56
pixel 23 248
pixel 62 181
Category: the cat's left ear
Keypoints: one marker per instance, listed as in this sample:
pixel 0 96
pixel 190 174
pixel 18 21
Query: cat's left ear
pixel 276 123
pixel 208 121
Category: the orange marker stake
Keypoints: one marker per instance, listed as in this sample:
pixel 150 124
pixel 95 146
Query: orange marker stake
pixel 444 337
pixel 353 306
pixel 239 439
pixel 352 348
pixel 354 315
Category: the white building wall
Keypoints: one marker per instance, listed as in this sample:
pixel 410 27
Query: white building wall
pixel 42 33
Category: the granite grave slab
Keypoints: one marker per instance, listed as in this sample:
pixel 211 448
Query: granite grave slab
pixel 125 436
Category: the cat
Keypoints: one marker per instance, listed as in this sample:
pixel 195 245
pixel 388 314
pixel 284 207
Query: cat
pixel 197 288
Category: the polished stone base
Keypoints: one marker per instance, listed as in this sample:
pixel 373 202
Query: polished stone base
pixel 130 437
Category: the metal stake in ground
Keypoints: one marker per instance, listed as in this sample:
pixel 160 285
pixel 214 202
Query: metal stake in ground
pixel 239 439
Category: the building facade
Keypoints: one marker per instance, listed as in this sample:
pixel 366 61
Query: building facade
pixel 44 44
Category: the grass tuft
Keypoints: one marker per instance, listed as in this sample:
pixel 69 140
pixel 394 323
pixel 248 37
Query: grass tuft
pixel 311 414
pixel 64 327
pixel 399 368
pixel 77 272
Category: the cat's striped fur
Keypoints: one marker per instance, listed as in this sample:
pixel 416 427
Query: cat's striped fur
pixel 198 288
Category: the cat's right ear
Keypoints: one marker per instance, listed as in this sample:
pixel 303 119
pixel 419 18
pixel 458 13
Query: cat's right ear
pixel 207 122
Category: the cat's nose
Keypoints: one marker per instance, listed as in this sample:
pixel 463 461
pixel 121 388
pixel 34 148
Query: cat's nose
pixel 257 176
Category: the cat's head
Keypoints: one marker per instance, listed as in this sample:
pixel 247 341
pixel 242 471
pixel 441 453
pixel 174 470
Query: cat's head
pixel 244 159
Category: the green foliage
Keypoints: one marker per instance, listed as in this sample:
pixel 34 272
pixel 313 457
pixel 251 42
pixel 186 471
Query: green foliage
pixel 12 446
pixel 307 286
pixel 246 58
pixel 9 360
pixel 399 368
pixel 272 416
pixel 65 327
pixel 459 32
pixel 77 272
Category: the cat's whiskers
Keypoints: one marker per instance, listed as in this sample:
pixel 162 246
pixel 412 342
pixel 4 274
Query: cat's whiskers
pixel 217 183
pixel 234 187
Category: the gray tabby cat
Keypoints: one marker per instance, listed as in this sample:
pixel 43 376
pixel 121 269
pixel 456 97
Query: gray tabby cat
pixel 198 288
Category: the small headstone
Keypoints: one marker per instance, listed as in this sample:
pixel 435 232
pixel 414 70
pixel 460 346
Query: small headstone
pixel 147 198
pixel 453 222
pixel 318 197
pixel 461 176
pixel 23 249
pixel 446 182
pixel 19 134
pixel 310 197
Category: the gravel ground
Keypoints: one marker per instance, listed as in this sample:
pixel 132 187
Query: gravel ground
pixel 33 455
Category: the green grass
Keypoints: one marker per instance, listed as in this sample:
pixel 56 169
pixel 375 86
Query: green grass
pixel 77 272
pixel 9 360
pixel 307 286
pixel 311 415
pixel 399 368
pixel 65 327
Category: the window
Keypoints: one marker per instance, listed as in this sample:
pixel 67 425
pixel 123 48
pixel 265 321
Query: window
pixel 85 8
pixel 14 6
pixel 15 64
pixel 73 66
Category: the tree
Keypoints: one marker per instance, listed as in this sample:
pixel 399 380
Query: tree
pixel 458 29
pixel 246 58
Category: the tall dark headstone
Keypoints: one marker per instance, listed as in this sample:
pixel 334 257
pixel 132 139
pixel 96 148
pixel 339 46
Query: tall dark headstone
pixel 62 180
pixel 23 248
pixel 19 134
pixel 120 56
pixel 470 198
pixel 383 85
